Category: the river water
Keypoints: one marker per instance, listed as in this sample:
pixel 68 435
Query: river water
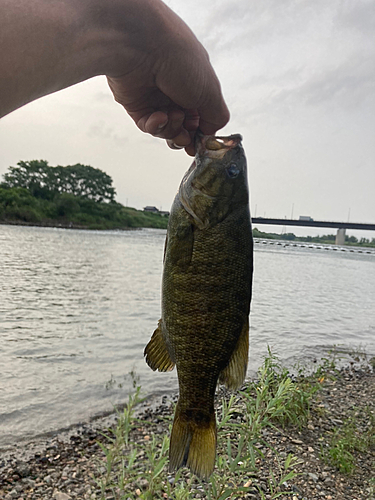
pixel 78 307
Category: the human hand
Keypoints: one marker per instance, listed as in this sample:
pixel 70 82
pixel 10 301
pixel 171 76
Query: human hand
pixel 170 88
pixel 155 66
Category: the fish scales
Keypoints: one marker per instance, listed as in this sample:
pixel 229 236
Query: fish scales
pixel 206 294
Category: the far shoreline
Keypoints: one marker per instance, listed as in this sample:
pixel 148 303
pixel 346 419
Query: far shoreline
pixel 55 225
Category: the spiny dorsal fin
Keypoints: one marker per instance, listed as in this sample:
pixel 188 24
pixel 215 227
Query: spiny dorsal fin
pixel 234 373
pixel 156 352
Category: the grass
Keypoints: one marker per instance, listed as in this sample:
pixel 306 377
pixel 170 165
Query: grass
pixel 136 468
pixel 356 434
pixel 136 451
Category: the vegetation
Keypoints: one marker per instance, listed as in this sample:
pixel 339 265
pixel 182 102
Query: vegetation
pixel 43 181
pixel 356 434
pixel 326 239
pixel 276 399
pixel 247 465
pixel 72 196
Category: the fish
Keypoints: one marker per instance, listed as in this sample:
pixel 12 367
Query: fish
pixel 206 294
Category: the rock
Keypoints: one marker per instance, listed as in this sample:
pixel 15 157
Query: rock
pixel 58 495
pixel 143 483
pixel 22 469
pixel 313 476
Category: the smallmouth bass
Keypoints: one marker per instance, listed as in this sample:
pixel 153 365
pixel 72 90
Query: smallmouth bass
pixel 206 293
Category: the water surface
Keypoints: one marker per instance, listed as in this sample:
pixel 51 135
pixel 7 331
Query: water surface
pixel 78 307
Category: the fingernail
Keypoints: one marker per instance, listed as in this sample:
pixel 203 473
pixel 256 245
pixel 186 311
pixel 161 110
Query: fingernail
pixel 162 125
pixel 173 145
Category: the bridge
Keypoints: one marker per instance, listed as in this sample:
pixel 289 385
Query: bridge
pixel 308 222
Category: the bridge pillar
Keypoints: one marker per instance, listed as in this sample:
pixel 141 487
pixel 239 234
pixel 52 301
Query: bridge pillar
pixel 340 236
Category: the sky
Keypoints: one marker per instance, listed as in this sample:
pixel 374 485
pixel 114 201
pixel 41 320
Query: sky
pixel 299 80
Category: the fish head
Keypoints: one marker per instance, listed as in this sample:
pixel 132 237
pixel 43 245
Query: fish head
pixel 216 183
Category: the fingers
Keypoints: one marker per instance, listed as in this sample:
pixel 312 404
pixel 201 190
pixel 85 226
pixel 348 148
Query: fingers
pixel 190 150
pixel 214 116
pixel 173 145
pixel 176 126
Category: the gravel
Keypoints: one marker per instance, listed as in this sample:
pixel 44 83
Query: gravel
pixel 64 467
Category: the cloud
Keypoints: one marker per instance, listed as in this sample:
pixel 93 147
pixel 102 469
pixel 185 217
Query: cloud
pixel 104 132
pixel 358 15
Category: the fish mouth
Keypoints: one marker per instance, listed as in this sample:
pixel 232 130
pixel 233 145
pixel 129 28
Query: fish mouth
pixel 207 147
pixel 215 146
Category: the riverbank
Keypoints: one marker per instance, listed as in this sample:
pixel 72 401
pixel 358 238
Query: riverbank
pixel 310 462
pixel 19 207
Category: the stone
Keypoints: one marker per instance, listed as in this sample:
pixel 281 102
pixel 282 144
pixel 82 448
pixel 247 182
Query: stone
pixel 47 479
pixel 143 483
pixel 58 495
pixel 313 476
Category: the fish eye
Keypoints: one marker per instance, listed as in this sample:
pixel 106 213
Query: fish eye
pixel 233 170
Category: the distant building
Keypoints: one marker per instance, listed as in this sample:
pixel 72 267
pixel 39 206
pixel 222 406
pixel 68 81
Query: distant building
pixel 155 210
pixel 151 209
pixel 305 217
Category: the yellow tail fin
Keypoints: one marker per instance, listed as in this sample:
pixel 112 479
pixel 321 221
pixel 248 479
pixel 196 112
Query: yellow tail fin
pixel 193 442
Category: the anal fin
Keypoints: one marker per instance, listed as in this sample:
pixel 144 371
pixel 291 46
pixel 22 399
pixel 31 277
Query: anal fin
pixel 235 372
pixel 156 352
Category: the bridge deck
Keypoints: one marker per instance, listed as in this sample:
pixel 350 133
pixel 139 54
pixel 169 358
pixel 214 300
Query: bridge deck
pixel 313 223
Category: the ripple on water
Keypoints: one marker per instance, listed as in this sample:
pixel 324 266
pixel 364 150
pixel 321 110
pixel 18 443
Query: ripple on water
pixel 78 307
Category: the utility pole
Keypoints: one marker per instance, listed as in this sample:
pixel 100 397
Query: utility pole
pixel 292 211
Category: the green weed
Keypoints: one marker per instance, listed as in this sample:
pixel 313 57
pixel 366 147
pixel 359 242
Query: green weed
pixel 357 434
pixel 136 469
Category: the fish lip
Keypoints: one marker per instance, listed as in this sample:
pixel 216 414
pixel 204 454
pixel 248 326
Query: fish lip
pixel 227 143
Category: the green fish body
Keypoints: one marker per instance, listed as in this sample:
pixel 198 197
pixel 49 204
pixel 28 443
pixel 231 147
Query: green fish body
pixel 206 293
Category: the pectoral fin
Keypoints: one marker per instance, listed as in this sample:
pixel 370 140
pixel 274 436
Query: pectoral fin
pixel 156 352
pixel 234 373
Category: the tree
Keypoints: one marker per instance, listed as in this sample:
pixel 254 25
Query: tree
pixel 31 175
pixel 44 181
pixel 351 239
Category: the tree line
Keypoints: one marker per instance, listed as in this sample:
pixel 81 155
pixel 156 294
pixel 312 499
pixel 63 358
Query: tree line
pixel 324 239
pixel 45 181
pixel 78 195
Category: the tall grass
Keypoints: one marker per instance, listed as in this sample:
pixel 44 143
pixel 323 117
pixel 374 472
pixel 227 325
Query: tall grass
pixel 135 468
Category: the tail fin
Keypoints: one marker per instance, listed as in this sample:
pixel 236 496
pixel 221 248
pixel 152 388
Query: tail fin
pixel 193 442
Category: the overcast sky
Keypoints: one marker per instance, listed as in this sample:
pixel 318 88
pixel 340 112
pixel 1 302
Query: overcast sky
pixel 299 79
